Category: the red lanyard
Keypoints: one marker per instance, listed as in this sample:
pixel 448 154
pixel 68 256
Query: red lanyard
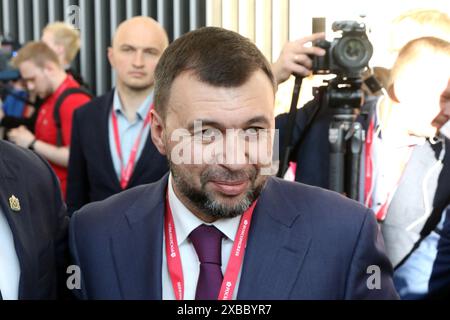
pixel 369 164
pixel 234 264
pixel 127 171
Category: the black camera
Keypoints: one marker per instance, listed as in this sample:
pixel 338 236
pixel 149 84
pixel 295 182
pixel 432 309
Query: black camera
pixel 346 56
pixel 8 49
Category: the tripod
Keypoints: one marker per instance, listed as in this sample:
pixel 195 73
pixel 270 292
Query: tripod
pixel 345 135
pixel 343 96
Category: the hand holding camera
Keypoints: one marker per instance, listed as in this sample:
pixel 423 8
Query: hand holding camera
pixel 295 58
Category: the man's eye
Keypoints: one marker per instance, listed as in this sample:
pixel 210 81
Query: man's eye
pixel 253 131
pixel 150 52
pixel 209 133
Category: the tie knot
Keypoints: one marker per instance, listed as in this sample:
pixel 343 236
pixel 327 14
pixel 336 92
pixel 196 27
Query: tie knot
pixel 207 241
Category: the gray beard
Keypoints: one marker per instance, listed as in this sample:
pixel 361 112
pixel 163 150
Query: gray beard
pixel 205 203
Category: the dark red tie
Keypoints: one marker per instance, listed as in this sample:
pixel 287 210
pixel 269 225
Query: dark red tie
pixel 207 241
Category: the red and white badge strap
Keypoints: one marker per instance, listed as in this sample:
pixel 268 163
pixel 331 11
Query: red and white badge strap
pixel 234 263
pixel 368 185
pixel 237 256
pixel 173 253
pixel 127 171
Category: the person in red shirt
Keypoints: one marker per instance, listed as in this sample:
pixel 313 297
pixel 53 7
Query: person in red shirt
pixel 43 74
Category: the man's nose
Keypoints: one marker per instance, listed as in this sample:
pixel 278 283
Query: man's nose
pixel 235 155
pixel 138 61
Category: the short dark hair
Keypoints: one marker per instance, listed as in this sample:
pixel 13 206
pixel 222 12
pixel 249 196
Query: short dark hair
pixel 217 56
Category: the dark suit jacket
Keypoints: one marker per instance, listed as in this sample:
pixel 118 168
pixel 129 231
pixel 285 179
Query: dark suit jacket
pixel 91 170
pixel 40 227
pixel 304 243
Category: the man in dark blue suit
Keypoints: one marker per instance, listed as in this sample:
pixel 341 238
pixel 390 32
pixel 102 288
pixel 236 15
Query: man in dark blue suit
pixel 217 226
pixel 111 148
pixel 33 227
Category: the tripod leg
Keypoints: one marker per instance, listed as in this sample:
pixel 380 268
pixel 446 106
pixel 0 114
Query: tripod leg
pixel 356 144
pixel 336 137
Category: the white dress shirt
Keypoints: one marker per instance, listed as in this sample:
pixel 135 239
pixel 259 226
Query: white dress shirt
pixel 9 262
pixel 185 222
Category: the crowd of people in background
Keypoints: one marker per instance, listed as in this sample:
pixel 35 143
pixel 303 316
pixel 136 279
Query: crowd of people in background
pixel 89 149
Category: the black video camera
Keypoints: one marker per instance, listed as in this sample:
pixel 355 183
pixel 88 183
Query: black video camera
pixel 8 49
pixel 346 56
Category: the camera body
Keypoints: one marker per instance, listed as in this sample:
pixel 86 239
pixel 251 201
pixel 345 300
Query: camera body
pixel 346 56
pixel 8 49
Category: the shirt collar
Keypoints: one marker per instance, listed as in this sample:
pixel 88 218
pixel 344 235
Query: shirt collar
pixel 185 221
pixel 142 110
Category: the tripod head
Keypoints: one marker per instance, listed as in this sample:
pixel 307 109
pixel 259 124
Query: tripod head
pixel 344 95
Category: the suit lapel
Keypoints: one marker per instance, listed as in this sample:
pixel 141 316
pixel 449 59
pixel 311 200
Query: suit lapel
pixel 137 245
pixel 274 253
pixel 103 135
pixel 20 224
pixel 144 160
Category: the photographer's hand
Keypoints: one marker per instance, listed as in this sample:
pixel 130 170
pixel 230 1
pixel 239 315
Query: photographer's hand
pixel 294 58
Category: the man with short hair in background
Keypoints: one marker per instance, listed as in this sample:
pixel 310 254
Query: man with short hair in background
pixel 43 75
pixel 112 149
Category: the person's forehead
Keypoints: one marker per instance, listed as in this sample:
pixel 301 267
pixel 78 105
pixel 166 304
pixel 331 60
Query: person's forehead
pixel 28 67
pixel 192 99
pixel 138 35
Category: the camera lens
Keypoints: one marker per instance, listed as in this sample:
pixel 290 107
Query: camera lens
pixel 353 52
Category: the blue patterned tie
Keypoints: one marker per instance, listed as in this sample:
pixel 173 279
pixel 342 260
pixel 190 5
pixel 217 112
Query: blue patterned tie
pixel 207 241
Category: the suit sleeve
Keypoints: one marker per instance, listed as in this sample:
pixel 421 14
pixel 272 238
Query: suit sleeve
pixel 62 250
pixel 77 182
pixel 75 259
pixel 60 224
pixel 370 272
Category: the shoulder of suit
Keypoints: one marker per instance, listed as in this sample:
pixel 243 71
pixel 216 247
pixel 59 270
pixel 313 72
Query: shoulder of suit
pixel 20 156
pixel 317 202
pixel 95 105
pixel 105 212
pixel 26 163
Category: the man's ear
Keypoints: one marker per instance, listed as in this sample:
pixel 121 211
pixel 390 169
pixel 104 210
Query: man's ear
pixel 111 56
pixel 158 132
